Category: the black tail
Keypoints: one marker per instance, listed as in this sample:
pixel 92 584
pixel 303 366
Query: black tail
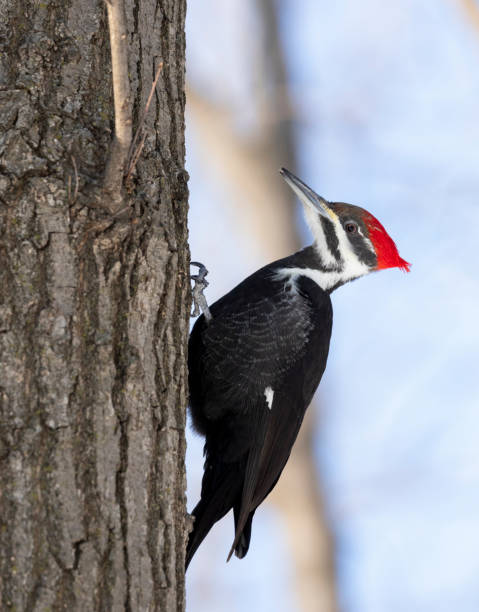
pixel 219 493
pixel 242 546
pixel 205 517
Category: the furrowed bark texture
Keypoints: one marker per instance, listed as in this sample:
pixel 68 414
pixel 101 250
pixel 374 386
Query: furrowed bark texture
pixel 93 315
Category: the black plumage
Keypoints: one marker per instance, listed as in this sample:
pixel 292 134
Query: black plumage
pixel 267 333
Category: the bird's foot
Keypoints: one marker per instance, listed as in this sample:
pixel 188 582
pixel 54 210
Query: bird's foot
pixel 189 522
pixel 199 300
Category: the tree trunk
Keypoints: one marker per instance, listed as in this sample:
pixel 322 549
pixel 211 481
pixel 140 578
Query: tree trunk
pixel 93 314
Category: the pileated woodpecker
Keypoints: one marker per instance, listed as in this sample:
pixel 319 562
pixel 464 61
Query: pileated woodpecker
pixel 255 364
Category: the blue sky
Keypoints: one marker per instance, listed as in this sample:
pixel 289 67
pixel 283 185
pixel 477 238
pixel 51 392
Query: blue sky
pixel 387 100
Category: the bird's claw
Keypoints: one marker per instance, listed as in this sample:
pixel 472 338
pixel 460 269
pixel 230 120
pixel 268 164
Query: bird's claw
pixel 199 300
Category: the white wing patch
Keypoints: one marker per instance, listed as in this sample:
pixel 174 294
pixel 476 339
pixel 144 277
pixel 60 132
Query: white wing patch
pixel 269 394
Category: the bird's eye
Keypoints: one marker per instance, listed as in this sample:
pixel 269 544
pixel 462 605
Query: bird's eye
pixel 351 227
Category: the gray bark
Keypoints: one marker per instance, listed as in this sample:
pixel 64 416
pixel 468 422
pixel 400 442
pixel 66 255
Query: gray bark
pixel 93 314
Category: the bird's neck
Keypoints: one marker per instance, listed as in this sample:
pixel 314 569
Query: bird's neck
pixel 309 263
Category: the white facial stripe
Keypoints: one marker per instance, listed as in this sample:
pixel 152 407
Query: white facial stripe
pixel 352 266
pixel 349 267
pixel 324 279
pixel 313 215
pixel 313 219
pixel 334 272
pixel 269 394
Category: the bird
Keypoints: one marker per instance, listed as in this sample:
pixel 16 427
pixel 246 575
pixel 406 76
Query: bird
pixel 257 357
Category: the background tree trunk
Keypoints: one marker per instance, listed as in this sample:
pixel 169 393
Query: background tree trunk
pixel 93 315
pixel 248 164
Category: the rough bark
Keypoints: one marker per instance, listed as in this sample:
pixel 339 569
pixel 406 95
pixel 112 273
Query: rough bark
pixel 93 314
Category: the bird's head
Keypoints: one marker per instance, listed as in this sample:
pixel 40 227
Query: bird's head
pixel 348 240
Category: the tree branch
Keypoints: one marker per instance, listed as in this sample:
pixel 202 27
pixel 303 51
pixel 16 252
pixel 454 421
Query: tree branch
pixel 135 151
pixel 115 168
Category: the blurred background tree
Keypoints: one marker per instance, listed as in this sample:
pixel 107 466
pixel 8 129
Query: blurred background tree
pixel 372 104
pixel 250 158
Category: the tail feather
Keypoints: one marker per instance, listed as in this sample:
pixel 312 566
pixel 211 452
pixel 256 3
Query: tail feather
pixel 201 526
pixel 244 538
pixel 212 507
pixel 244 508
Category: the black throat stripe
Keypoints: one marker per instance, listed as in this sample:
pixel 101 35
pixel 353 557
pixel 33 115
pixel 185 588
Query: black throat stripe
pixel 332 241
